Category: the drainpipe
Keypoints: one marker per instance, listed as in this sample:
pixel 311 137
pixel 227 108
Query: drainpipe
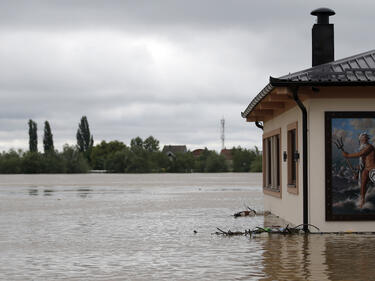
pixel 260 126
pixel 304 160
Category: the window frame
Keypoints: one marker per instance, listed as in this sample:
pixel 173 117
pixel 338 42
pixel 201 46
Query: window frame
pixel 292 187
pixel 276 192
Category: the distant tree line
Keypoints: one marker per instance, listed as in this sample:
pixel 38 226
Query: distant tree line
pixel 141 156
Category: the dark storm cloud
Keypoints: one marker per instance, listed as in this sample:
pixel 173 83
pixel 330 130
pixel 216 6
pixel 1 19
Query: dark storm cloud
pixel 171 69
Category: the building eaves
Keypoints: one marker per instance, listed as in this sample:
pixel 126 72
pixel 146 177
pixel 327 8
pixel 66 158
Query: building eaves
pixel 266 90
pixel 357 70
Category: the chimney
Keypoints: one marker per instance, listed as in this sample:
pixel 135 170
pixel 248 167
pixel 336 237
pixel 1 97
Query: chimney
pixel 322 37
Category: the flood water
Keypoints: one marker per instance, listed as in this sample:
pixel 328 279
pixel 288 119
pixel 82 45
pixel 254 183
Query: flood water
pixel 141 227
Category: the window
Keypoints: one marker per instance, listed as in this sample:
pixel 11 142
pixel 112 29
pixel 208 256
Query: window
pixel 271 163
pixel 292 153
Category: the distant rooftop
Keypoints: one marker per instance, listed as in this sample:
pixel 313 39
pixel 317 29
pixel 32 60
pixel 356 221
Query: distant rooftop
pixel 174 149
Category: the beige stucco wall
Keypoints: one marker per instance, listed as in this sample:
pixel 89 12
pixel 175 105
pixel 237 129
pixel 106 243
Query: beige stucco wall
pixel 316 144
pixel 289 206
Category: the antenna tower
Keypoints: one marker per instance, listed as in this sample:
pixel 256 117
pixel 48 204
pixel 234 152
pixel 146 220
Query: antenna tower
pixel 222 136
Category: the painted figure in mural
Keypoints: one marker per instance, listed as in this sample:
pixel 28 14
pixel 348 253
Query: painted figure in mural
pixel 366 157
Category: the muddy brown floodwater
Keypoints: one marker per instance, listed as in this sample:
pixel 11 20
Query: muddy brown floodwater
pixel 141 227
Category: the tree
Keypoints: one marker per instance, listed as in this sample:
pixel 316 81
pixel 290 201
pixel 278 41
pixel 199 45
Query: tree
pixel 73 160
pixel 32 163
pixel 242 159
pixel 84 139
pixel 48 138
pixel 118 161
pixel 151 144
pixel 215 163
pixel 103 152
pixel 33 136
pixel 182 163
pixel 136 145
pixel 10 162
pixel 256 165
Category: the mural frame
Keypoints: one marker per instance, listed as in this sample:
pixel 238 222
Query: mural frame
pixel 329 115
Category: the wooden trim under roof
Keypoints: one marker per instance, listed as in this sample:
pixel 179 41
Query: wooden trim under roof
pixel 277 101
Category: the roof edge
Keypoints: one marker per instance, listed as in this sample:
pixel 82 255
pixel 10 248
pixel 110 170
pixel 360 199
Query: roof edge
pixel 258 98
pixel 278 82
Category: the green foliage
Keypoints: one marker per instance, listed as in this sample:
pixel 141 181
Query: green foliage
pixel 33 136
pixel 48 138
pixel 69 161
pixel 151 144
pixel 182 163
pixel 10 162
pixel 74 161
pixel 159 162
pixel 101 154
pixel 54 163
pixel 32 163
pixel 246 160
pixel 114 156
pixel 84 138
pixel 118 162
pixel 138 164
pixel 136 145
pixel 257 164
pixel 200 162
pixel 215 163
pixel 242 159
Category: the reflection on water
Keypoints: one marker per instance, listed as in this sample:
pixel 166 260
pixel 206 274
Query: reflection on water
pixel 319 257
pixel 47 192
pixel 83 192
pixel 141 227
pixel 33 191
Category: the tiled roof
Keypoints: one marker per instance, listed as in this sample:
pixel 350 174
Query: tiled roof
pixel 351 71
pixel 358 68
pixel 174 148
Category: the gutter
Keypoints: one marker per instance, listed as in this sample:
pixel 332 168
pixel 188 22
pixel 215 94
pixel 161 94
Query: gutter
pixel 304 159
pixel 277 82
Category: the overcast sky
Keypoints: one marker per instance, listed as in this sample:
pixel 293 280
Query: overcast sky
pixel 171 69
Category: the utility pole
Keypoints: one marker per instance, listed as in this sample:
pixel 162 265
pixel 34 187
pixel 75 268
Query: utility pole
pixel 222 137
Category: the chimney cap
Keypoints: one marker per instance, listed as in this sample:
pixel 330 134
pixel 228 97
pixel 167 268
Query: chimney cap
pixel 323 15
pixel 323 11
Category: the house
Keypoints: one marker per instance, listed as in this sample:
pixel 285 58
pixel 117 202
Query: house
pixel 172 150
pixel 318 135
pixel 197 152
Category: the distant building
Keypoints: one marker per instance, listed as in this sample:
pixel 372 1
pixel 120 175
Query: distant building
pixel 172 150
pixel 197 152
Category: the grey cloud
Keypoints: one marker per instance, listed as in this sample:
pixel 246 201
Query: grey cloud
pixel 170 69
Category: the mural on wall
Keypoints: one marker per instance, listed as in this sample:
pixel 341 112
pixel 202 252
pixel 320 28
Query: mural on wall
pixel 350 165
